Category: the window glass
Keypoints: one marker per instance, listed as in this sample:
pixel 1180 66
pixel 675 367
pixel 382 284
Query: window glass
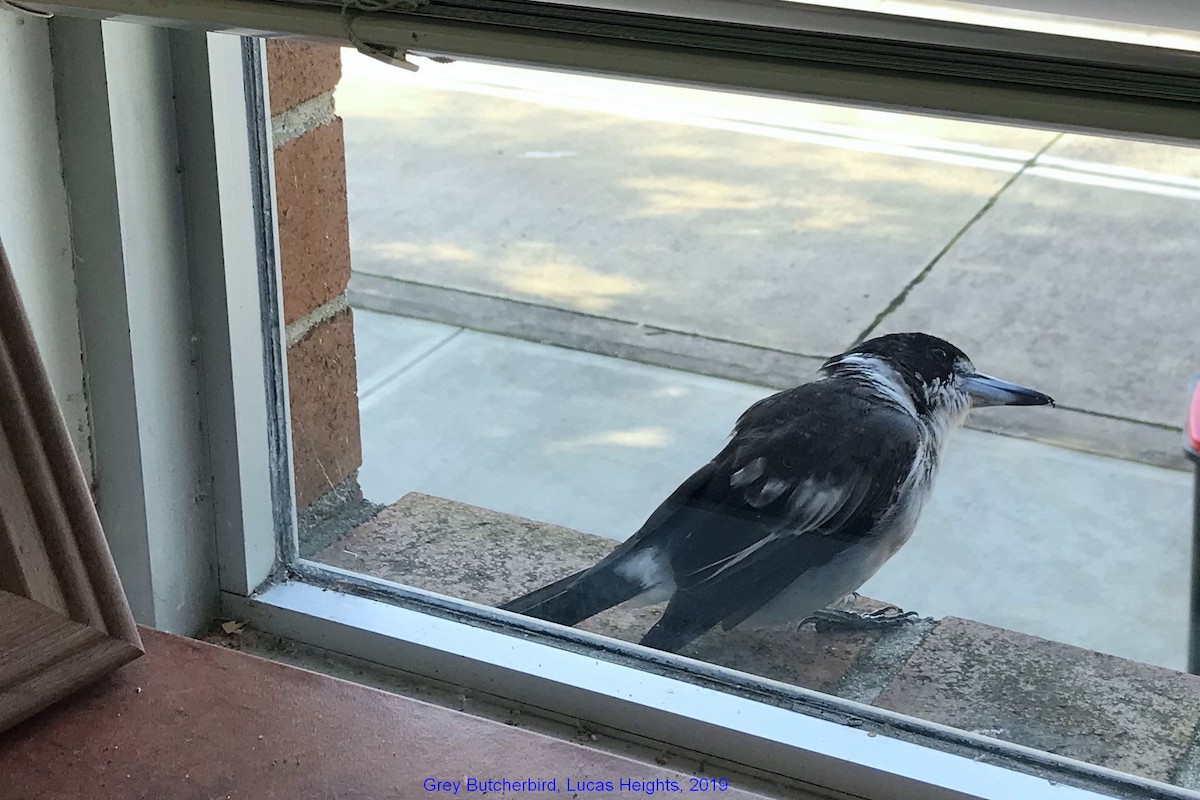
pixel 524 307
pixel 1159 24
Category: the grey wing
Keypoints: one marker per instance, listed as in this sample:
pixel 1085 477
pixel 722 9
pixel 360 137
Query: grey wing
pixel 775 506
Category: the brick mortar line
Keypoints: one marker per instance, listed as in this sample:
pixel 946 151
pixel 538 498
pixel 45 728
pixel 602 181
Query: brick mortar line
pixel 297 330
pixel 291 124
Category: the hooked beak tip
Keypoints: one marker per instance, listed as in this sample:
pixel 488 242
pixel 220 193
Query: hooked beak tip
pixel 986 390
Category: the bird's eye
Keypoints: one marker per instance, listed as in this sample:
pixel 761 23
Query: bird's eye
pixel 940 353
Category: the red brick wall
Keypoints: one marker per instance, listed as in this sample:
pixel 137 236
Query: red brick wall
pixel 314 252
pixel 297 71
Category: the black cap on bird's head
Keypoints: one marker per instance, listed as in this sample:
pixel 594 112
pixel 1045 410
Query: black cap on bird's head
pixel 918 354
pixel 935 373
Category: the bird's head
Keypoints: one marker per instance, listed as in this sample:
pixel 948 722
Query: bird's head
pixel 929 376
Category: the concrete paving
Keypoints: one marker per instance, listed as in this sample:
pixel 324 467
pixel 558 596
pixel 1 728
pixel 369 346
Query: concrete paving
pixel 1102 312
pixel 1074 547
pixel 776 229
pixel 787 227
pixel 1078 548
pixel 1140 161
pixel 577 439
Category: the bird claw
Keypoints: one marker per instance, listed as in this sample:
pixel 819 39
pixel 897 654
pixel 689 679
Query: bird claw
pixel 886 617
pixel 891 614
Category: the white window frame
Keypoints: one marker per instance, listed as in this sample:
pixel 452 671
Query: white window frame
pixel 229 261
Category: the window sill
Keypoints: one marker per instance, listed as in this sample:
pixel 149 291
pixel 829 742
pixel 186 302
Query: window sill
pixel 195 720
pixel 1108 711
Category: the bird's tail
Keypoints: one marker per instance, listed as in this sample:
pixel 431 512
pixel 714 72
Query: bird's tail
pixel 577 597
pixel 674 630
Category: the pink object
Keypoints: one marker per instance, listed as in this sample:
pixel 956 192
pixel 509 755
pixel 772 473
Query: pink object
pixel 1192 428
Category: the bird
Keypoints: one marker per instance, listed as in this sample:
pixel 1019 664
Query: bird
pixel 816 488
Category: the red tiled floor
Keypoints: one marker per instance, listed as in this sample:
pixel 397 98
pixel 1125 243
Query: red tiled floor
pixel 191 721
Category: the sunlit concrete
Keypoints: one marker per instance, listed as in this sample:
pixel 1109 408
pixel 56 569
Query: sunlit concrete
pixel 1154 161
pixel 766 222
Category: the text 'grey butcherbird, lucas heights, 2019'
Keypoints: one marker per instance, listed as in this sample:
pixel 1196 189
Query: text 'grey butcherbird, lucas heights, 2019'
pixel 818 486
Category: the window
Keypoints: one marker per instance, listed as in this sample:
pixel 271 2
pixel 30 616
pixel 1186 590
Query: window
pixel 565 290
pixel 433 637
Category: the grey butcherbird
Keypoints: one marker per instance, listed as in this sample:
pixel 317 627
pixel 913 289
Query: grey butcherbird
pixel 818 486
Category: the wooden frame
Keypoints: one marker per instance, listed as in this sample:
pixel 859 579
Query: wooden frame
pixel 64 620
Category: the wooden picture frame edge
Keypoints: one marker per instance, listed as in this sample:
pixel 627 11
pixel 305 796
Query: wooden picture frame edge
pixel 64 619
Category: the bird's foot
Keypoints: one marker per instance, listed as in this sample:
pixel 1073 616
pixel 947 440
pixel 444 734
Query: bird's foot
pixel 889 616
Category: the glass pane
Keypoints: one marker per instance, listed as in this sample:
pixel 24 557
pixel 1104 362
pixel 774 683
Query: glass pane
pixel 1159 23
pixel 1164 23
pixel 564 291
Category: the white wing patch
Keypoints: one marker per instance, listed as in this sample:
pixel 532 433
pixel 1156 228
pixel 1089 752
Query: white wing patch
pixel 758 497
pixel 814 503
pixel 771 490
pixel 651 570
pixel 648 568
pixel 748 474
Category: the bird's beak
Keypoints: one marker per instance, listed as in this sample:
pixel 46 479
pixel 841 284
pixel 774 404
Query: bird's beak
pixel 988 391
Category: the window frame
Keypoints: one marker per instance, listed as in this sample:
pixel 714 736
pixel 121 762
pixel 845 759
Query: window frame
pixel 888 67
pixel 830 744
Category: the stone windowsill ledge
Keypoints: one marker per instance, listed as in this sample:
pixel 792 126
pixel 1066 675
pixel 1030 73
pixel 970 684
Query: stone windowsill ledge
pixel 1106 710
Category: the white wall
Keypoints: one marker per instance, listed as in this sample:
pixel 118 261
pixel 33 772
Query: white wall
pixel 33 213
